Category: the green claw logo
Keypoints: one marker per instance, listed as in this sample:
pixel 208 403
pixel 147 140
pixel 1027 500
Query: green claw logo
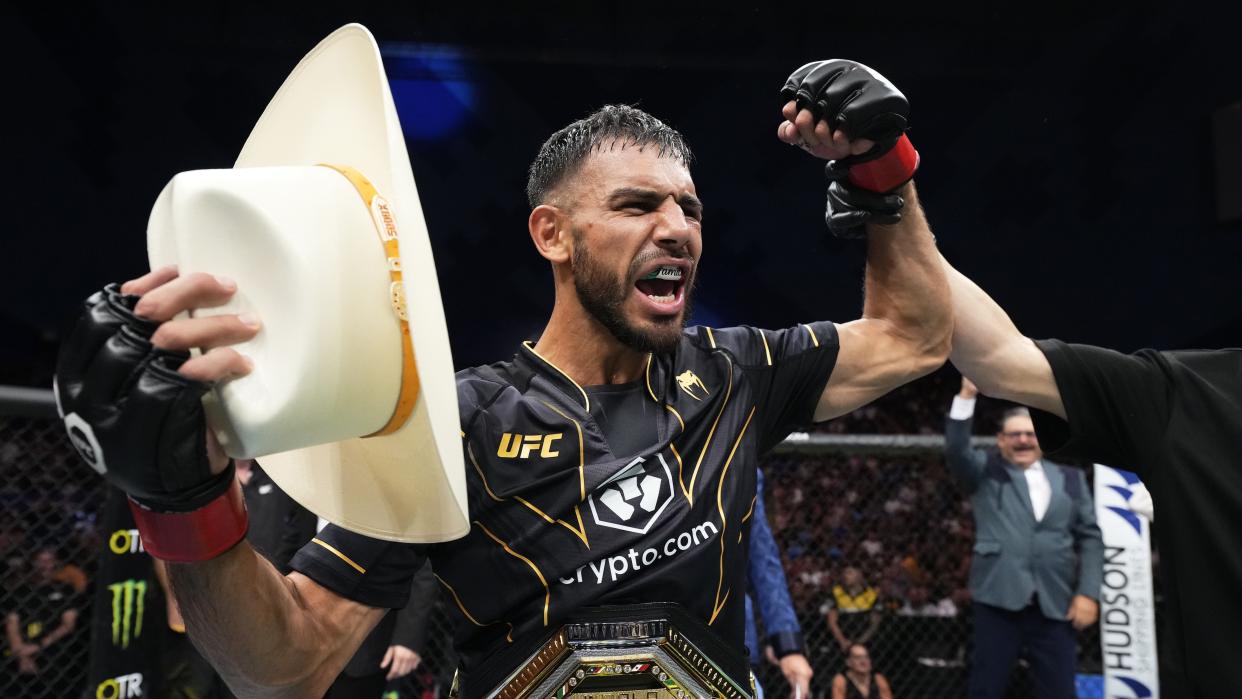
pixel 128 604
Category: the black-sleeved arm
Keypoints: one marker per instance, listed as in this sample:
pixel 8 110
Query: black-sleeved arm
pixel 411 628
pixel 965 463
pixel 1116 404
pixel 371 571
pixel 299 528
pixel 790 368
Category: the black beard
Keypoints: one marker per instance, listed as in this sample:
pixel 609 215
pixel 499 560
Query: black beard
pixel 602 294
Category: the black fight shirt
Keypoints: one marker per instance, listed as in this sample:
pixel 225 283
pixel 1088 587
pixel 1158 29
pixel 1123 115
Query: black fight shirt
pixel 1175 419
pixel 567 515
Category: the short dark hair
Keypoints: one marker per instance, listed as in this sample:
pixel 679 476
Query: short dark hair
pixel 1012 412
pixel 565 151
pixel 850 649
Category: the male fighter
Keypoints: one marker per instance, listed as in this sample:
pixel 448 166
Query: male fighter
pixel 646 434
pixel 1175 418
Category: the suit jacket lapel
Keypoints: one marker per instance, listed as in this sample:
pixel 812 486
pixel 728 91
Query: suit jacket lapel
pixel 1020 487
pixel 1056 487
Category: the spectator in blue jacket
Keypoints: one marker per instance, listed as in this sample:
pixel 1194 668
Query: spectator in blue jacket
pixel 780 622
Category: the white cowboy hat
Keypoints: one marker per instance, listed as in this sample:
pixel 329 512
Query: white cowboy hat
pixel 351 409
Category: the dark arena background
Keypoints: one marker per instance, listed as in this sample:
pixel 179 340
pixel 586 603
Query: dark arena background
pixel 1082 164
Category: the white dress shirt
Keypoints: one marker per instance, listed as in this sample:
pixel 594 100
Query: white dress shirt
pixel 962 408
pixel 1041 489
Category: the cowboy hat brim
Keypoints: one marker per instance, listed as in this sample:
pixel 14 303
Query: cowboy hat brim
pixel 335 108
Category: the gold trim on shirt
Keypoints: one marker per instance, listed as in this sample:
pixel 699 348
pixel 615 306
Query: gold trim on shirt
pixel 648 372
pixel 751 511
pixel 720 603
pixel 766 352
pixel 462 607
pixel 547 593
pixel 581 451
pixel 814 340
pixel 339 555
pixel 479 470
pixel 580 532
pixel 586 401
pixel 677 415
pixel 708 443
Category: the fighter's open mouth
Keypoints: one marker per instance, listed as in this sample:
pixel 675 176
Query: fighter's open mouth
pixel 662 284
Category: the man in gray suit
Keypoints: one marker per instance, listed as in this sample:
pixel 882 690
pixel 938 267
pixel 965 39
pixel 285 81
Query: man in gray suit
pixel 1035 574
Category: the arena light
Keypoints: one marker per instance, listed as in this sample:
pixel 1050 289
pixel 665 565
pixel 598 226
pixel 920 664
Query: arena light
pixel 431 87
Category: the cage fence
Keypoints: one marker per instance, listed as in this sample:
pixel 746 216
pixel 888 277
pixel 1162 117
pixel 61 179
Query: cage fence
pixel 875 540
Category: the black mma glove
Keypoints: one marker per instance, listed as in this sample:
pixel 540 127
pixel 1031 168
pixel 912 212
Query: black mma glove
pixel 850 208
pixel 862 103
pixel 138 422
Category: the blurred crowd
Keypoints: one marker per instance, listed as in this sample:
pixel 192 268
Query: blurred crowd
pixel 47 497
pixel 898 521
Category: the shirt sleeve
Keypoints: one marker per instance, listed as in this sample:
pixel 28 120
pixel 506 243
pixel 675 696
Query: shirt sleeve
pixel 962 408
pixel 1115 404
pixel 299 528
pixel 790 368
pixel 964 462
pixel 370 571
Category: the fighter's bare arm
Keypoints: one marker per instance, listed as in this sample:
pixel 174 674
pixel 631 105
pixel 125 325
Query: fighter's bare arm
pixel 268 635
pixel 907 322
pixel 990 350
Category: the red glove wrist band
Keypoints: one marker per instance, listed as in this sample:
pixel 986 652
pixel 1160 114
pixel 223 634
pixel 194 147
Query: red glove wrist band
pixel 198 535
pixel 889 171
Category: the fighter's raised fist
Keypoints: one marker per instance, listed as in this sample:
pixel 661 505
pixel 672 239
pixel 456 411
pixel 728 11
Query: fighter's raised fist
pixel 816 137
pixel 850 97
pixel 851 115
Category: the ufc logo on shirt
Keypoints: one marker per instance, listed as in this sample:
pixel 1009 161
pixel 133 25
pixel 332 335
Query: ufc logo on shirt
pixel 522 445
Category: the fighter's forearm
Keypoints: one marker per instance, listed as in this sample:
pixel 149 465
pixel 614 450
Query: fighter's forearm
pixel 905 283
pixel 989 349
pixel 251 623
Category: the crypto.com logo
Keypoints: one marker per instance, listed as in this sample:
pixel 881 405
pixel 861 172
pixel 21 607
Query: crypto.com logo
pixel 633 498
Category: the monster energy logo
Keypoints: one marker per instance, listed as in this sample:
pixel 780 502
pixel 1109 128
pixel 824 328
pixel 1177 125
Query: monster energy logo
pixel 128 598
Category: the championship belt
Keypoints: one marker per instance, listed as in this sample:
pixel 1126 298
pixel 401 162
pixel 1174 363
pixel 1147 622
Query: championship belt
pixel 647 651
